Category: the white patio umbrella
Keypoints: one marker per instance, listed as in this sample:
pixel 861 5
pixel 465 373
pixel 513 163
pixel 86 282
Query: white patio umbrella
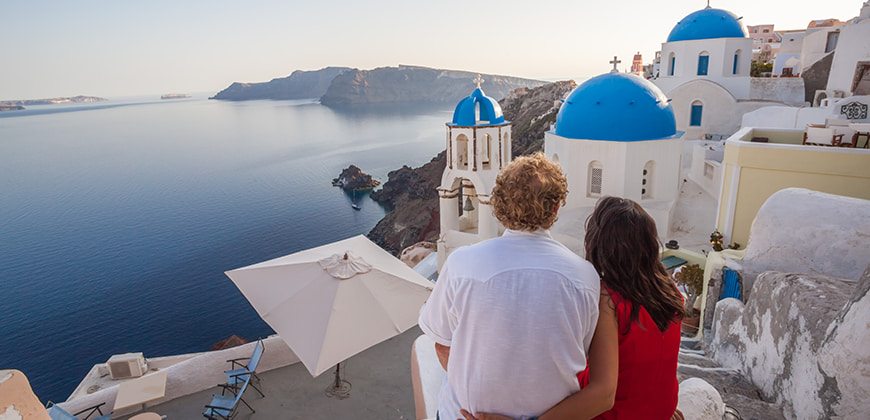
pixel 332 302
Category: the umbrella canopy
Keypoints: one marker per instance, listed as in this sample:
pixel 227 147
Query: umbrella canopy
pixel 332 302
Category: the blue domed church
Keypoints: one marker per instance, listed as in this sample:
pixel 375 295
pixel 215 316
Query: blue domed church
pixel 616 134
pixel 478 146
pixel 705 71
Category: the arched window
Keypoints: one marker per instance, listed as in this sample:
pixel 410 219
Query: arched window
pixel 595 179
pixel 703 63
pixel 697 110
pixel 506 149
pixel 646 188
pixel 736 69
pixel 672 61
pixel 555 158
pixel 462 152
pixel 486 152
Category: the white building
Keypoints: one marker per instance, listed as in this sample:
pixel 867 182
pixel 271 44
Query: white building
pixel 616 135
pixel 705 71
pixel 478 146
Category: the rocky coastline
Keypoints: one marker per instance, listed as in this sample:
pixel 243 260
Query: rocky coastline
pixel 298 85
pixel 353 179
pixel 338 86
pixel 413 84
pixel 51 101
pixel 410 193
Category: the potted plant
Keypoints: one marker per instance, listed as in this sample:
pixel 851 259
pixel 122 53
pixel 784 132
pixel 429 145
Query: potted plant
pixel 691 278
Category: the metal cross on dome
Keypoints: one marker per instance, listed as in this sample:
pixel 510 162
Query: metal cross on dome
pixel 478 80
pixel 615 62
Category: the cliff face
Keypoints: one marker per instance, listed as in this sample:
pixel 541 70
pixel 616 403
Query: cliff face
pixel 532 111
pixel 299 85
pixel 52 101
pixel 415 84
pixel 411 194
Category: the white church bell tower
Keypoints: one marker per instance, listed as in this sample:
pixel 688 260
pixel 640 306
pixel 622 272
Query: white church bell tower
pixel 478 146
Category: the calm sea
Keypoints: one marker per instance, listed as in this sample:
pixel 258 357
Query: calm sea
pixel 118 219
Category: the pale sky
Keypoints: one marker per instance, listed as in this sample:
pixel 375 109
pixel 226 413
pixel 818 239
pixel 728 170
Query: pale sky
pixel 114 48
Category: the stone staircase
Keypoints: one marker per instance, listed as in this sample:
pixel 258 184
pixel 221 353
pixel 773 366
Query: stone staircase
pixel 736 391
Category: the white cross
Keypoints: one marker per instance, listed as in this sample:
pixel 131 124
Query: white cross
pixel 615 62
pixel 478 80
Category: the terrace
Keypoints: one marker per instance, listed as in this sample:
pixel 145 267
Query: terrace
pixel 380 378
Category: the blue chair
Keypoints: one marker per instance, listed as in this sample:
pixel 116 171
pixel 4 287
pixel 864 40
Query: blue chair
pixel 226 407
pixel 57 413
pixel 236 377
pixel 731 285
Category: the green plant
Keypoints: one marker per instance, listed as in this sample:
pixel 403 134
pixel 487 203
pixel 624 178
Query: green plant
pixel 716 240
pixel 691 277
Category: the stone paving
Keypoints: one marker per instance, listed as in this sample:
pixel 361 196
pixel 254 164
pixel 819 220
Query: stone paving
pixel 380 379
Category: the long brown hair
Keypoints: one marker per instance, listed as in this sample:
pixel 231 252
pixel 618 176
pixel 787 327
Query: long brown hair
pixel 622 244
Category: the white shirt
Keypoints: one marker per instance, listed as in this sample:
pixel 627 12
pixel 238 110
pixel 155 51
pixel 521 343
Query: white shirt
pixel 518 313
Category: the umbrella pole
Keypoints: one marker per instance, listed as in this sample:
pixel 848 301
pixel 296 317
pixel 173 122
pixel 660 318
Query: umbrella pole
pixel 339 388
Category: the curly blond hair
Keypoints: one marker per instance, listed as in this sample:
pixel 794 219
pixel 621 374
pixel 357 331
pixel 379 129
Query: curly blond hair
pixel 528 193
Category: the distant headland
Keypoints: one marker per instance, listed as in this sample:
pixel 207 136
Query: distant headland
pixel 402 84
pixel 20 103
pixel 174 96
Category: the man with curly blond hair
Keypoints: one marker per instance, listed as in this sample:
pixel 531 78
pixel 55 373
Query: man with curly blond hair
pixel 512 317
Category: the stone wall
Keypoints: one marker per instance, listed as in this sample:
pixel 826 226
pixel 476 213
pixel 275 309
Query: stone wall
pixel 788 90
pixel 803 231
pixel 804 344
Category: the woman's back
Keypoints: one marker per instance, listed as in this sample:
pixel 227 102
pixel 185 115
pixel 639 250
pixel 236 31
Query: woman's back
pixel 647 386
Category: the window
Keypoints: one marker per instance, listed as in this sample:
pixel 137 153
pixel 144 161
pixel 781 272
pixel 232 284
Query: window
pixel 486 152
pixel 697 109
pixel 506 147
pixel 671 67
pixel 765 30
pixel 703 62
pixel 646 188
pixel 736 60
pixel 462 152
pixel 832 41
pixel 596 176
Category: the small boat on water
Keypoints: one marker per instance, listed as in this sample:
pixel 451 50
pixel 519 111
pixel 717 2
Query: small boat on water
pixel 355 206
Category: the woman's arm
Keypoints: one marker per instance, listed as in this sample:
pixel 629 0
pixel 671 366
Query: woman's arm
pixel 603 361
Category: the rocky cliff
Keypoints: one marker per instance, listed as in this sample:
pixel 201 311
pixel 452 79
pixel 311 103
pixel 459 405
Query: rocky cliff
pixel 353 179
pixel 415 84
pixel 52 101
pixel 411 196
pixel 410 193
pixel 532 112
pixel 299 85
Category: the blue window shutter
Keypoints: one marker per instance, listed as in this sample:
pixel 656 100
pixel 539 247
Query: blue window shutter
pixel 696 115
pixel 702 64
pixel 734 70
pixel 671 70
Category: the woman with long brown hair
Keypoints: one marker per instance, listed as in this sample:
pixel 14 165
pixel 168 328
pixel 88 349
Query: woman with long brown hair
pixel 632 370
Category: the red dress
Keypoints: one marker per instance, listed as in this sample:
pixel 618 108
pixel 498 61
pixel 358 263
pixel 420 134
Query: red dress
pixel 647 384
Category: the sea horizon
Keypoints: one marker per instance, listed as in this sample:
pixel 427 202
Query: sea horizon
pixel 120 217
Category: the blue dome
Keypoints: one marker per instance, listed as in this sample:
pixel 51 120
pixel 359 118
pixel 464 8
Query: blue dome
pixel 708 24
pixel 477 109
pixel 616 107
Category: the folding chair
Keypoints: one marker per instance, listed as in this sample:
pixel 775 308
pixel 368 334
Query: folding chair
pixel 57 413
pixel 226 407
pixel 236 377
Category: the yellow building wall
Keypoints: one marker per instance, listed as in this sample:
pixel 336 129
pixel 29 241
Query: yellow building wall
pixel 765 171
